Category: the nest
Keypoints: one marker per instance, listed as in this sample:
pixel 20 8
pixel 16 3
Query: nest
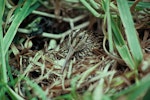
pixel 78 57
pixel 77 62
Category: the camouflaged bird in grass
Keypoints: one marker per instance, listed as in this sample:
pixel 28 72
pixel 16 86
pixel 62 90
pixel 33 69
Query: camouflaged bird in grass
pixel 80 44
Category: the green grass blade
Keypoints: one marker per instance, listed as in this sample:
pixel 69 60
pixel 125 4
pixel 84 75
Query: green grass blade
pixel 3 72
pixel 33 7
pixel 125 55
pixel 3 90
pixel 122 47
pixel 140 4
pixel 135 90
pixel 94 4
pixel 15 24
pixel 147 95
pixel 90 8
pixel 37 89
pixel 13 94
pixel 106 7
pixel 130 31
pixel 2 7
pixel 3 59
pixel 20 15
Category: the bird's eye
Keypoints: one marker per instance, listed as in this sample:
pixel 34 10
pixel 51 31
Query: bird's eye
pixel 80 37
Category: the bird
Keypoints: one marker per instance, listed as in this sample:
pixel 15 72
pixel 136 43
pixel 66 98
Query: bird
pixel 79 44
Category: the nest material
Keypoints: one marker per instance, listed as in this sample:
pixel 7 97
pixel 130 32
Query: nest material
pixel 80 52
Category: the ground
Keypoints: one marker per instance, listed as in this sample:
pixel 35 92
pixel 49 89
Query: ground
pixel 61 47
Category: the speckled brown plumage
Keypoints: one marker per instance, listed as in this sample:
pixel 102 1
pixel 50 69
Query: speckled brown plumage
pixel 80 44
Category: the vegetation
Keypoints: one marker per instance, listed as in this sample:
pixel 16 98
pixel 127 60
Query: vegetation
pixel 32 55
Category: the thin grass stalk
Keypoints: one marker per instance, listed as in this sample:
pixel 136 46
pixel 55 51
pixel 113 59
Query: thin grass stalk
pixel 3 72
pixel 90 8
pixel 106 8
pixel 13 95
pixel 130 31
pixel 37 89
pixel 141 5
pixel 111 48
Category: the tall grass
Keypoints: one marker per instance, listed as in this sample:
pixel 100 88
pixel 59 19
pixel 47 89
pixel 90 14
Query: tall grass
pixel 132 55
pixel 128 48
pixel 23 9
